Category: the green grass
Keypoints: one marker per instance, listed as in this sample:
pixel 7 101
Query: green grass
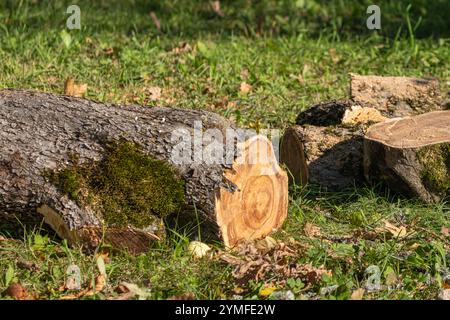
pixel 301 54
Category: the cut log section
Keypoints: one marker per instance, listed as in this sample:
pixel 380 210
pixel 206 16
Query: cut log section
pixel 330 157
pixel 411 155
pixel 396 96
pixel 233 200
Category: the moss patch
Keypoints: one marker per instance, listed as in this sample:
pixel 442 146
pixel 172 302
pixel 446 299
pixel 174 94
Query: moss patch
pixel 436 168
pixel 126 188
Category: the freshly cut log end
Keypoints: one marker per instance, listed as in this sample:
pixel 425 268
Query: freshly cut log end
pixel 330 157
pixel 396 96
pixel 259 205
pixel 411 155
pixel 292 155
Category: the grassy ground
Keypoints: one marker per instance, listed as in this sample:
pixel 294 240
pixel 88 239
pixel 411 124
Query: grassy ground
pixel 299 54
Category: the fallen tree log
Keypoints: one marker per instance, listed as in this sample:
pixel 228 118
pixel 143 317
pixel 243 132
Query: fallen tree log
pixel 411 155
pixel 51 146
pixel 325 147
pixel 330 157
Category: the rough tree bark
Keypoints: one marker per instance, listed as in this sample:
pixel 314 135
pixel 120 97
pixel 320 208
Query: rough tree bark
pixel 40 131
pixel 330 157
pixel 327 139
pixel 411 155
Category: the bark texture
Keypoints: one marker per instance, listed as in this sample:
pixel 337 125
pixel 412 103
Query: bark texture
pixel 41 131
pixel 411 155
pixel 330 157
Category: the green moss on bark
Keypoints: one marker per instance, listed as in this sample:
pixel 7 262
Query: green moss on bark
pixel 126 188
pixel 436 168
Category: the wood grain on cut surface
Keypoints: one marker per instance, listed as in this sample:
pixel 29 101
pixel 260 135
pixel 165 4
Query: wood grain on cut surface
pixel 412 132
pixel 260 203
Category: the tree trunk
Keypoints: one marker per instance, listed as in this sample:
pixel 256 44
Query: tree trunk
pixel 325 148
pixel 330 157
pixel 411 155
pixel 396 96
pixel 236 199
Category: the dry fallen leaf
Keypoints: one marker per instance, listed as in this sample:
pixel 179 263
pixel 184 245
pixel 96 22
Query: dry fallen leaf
pixel 183 47
pixel 198 249
pixel 215 5
pixel 397 232
pixel 27 265
pixel 100 282
pixel 135 290
pixel 357 294
pixel 334 56
pixel 17 291
pixel 444 295
pixel 266 244
pixel 245 88
pixel 184 296
pixel 445 231
pixel 155 20
pixel 74 90
pixel 154 93
pixel 311 230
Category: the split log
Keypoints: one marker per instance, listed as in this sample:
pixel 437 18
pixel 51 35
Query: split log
pixel 40 132
pixel 411 155
pixel 396 96
pixel 325 148
pixel 330 157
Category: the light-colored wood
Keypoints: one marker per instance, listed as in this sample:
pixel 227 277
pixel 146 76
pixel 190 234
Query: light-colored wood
pixel 413 132
pixel 259 206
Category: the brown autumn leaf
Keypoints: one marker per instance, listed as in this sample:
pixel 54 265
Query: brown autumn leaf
pixel 27 265
pixel 357 294
pixel 397 232
pixel 182 48
pixel 154 93
pixel 73 89
pixel 185 296
pixel 445 231
pixel 244 74
pixel 16 291
pixel 311 230
pixel 245 88
pixel 215 5
pixel 334 56
pixel 100 282
pixel 155 20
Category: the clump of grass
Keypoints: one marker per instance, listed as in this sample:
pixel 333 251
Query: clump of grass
pixel 126 188
pixel 436 171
